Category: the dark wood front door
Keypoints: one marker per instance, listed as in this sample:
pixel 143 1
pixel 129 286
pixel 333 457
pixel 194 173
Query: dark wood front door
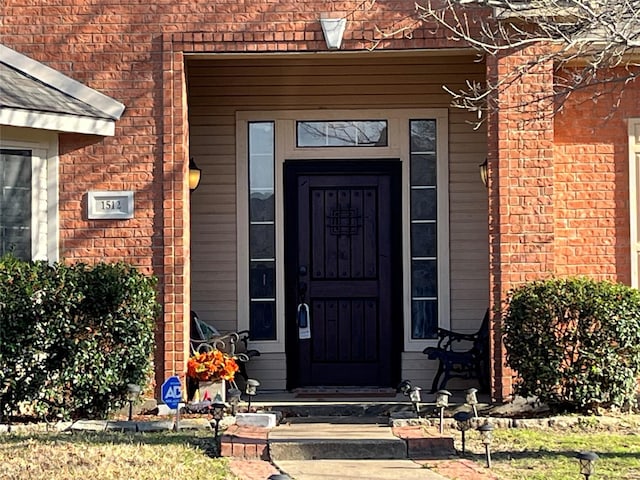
pixel 342 229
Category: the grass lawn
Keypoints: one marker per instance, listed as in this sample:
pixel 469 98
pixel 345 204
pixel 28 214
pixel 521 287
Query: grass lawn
pixel 111 456
pixel 519 454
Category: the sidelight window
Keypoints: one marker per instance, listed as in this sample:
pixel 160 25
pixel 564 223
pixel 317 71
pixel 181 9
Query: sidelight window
pixel 424 229
pixel 262 247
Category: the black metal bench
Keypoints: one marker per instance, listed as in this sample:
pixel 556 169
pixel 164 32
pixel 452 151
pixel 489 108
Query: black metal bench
pixel 461 355
pixel 205 337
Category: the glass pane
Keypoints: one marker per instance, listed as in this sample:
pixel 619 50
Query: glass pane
pixel 16 241
pixel 423 136
pixel 261 207
pixel 15 202
pixel 423 170
pixel 424 278
pixel 261 156
pixel 365 133
pixel 423 240
pixel 424 204
pixel 15 208
pixel 261 138
pixel 262 323
pixel 424 318
pixel 262 280
pixel 261 241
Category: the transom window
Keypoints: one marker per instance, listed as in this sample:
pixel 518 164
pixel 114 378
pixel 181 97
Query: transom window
pixel 342 133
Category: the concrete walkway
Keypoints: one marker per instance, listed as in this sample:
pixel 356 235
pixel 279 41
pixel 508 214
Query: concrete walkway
pixel 334 449
pixel 356 469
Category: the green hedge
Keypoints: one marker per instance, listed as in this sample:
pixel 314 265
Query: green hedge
pixel 575 343
pixel 72 336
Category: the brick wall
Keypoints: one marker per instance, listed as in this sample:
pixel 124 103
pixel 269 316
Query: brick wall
pixel 591 155
pixel 559 196
pixel 133 53
pixel 521 189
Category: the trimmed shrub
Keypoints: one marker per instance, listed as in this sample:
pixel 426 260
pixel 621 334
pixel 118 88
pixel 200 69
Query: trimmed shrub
pixel 575 343
pixel 73 337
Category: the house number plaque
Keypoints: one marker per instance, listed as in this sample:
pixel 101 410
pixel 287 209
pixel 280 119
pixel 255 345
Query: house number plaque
pixel 110 205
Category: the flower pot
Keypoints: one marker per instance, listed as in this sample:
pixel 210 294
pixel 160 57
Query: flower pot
pixel 209 390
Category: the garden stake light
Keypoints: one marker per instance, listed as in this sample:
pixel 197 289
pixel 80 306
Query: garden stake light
pixel 472 400
pixel 250 389
pixel 416 398
pixel 486 432
pixel 587 463
pixel 234 399
pixel 217 412
pixel 463 421
pixel 442 400
pixel 133 393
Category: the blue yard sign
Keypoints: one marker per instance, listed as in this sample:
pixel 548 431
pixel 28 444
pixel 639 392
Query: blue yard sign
pixel 172 392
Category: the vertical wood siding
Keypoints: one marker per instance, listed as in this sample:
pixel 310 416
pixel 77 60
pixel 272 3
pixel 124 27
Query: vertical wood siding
pixel 218 88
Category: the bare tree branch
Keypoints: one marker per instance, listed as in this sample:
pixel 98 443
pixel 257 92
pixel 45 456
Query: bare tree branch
pixel 591 43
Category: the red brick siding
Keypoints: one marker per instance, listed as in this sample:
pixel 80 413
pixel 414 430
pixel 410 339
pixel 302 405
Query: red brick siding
pixel 521 210
pixel 559 196
pixel 591 155
pixel 133 53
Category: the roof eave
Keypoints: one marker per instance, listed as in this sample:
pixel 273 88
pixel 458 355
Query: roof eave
pixel 110 107
pixel 57 122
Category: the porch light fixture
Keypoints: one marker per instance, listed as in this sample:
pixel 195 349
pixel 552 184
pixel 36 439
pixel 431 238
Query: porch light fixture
pixel 194 175
pixel 484 172
pixel 251 389
pixel 133 393
pixel 463 421
pixel 472 400
pixel 442 401
pixel 587 463
pixel 333 30
pixel 486 433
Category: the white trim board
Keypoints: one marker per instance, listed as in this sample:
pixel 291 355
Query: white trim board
pixel 634 200
pixel 398 148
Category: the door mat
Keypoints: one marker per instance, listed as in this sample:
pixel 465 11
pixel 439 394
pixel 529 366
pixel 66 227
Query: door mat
pixel 344 392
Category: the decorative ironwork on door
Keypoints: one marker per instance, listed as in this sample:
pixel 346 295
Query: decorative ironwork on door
pixel 344 221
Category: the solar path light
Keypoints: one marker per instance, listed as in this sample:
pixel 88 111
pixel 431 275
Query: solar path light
pixel 486 434
pixel 442 401
pixel 587 463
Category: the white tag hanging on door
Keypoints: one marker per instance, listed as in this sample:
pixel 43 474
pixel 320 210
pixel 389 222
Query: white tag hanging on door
pixel 304 322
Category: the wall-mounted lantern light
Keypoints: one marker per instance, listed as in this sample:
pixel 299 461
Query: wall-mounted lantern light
pixel 484 172
pixel 194 175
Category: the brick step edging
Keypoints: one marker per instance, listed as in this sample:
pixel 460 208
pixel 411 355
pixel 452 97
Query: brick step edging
pixel 245 442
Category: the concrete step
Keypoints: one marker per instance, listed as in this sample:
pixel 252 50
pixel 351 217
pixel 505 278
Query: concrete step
pixel 315 441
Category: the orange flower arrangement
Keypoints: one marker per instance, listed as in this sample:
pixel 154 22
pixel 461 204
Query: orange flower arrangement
pixel 211 366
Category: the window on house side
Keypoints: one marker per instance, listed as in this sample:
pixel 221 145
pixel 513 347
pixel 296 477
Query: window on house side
pixel 15 203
